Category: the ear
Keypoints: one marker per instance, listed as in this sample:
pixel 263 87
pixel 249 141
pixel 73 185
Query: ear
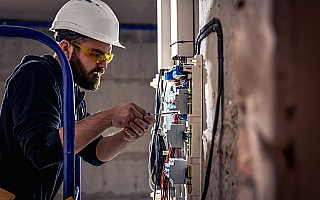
pixel 67 48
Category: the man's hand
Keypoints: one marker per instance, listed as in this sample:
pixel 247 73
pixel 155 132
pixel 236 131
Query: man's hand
pixel 138 128
pixel 123 114
pixel 135 122
pixel 133 118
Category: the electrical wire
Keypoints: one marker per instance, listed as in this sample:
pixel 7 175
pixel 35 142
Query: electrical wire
pixel 165 180
pixel 152 153
pixel 157 144
pixel 213 26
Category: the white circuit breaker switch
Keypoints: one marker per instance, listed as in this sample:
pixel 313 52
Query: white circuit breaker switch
pixel 176 170
pixel 175 135
pixel 181 101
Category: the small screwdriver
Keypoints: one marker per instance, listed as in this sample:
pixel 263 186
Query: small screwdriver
pixel 166 113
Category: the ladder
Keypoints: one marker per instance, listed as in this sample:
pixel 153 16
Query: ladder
pixel 71 172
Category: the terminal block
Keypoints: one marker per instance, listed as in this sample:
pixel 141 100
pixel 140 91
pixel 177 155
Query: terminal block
pixel 175 135
pixel 175 170
pixel 181 101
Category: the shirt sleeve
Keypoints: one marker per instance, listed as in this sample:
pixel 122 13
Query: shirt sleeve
pixel 36 111
pixel 89 153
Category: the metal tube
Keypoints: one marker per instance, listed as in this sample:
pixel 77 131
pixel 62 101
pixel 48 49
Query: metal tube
pixel 68 100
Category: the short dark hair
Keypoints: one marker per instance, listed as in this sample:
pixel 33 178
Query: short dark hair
pixel 63 34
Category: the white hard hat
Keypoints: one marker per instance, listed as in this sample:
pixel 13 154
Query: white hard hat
pixel 92 18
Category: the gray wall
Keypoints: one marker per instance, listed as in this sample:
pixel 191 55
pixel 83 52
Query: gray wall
pixel 11 52
pixel 126 80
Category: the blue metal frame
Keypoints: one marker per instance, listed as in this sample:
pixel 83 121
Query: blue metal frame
pixel 68 103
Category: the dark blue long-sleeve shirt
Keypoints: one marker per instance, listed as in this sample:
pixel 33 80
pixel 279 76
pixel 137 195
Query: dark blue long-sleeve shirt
pixel 31 115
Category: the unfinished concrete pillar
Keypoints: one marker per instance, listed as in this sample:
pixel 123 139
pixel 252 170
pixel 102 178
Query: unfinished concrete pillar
pixel 277 68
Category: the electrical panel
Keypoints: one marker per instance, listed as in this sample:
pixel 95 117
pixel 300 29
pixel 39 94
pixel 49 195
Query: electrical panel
pixel 176 138
pixel 180 126
pixel 175 158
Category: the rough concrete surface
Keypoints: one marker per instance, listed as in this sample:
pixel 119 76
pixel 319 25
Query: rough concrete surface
pixel 277 56
pixel 254 45
pixel 223 179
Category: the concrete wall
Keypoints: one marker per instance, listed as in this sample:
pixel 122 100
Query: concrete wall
pixel 223 179
pixel 126 80
pixel 269 144
pixel 278 73
pixel 12 51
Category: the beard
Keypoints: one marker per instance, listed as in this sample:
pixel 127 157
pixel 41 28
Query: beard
pixel 86 80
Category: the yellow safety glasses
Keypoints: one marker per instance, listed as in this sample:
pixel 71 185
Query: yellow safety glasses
pixel 95 55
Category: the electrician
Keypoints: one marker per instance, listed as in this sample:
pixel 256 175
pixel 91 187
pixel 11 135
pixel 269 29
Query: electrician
pixel 31 137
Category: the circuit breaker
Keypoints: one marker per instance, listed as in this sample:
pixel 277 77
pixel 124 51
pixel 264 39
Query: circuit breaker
pixel 176 170
pixel 175 135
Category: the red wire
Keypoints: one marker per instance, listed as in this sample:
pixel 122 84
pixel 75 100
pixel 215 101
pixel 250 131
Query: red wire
pixel 168 185
pixel 163 177
pixel 168 181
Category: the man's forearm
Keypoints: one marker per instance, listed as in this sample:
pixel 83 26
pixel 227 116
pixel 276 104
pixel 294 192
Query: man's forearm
pixel 110 146
pixel 89 129
pixel 129 116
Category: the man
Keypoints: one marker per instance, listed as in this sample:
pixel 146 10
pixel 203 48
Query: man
pixel 31 134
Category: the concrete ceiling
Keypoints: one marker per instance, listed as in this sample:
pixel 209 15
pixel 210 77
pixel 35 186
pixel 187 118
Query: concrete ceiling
pixel 131 12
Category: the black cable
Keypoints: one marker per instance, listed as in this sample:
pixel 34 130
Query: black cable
pixel 153 142
pixel 157 143
pixel 180 42
pixel 200 38
pixel 205 31
pixel 213 26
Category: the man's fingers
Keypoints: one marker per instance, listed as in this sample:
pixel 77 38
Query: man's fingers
pixel 123 114
pixel 149 119
pixel 137 129
pixel 141 110
pixel 130 134
pixel 136 111
pixel 142 113
pixel 144 125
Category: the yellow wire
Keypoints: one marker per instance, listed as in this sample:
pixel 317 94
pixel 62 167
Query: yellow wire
pixel 190 112
pixel 190 133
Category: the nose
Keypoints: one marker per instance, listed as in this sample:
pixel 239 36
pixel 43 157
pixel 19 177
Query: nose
pixel 104 64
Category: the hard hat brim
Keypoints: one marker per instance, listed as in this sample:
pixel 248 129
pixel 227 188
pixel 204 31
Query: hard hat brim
pixel 96 36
